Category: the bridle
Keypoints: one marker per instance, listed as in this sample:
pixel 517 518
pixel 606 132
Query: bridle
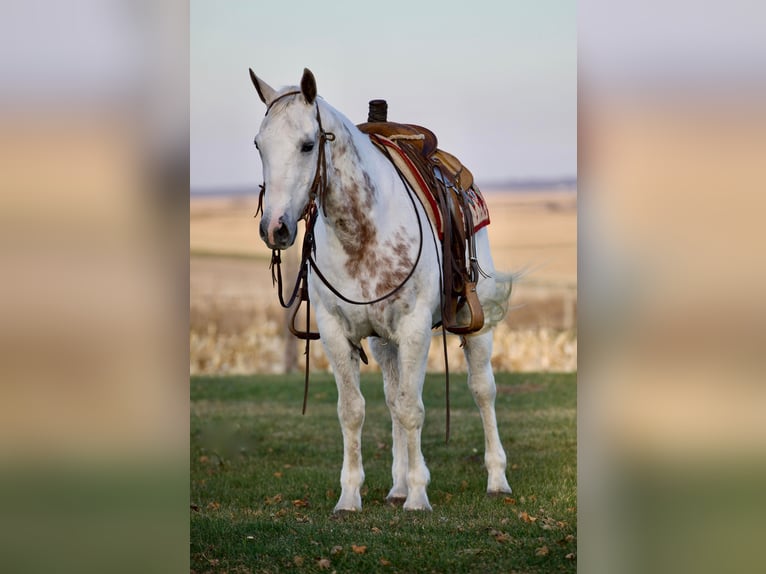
pixel 317 194
pixel 319 184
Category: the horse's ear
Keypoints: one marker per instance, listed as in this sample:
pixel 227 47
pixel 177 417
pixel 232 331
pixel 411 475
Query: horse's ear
pixel 265 91
pixel 308 86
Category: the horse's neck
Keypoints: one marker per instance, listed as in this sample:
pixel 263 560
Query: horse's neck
pixel 365 234
pixel 356 170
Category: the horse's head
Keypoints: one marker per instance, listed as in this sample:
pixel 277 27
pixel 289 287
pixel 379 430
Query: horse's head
pixel 288 141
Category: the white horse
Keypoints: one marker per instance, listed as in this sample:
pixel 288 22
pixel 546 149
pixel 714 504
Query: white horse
pixel 367 241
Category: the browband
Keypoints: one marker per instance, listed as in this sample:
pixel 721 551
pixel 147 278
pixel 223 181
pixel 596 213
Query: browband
pixel 275 100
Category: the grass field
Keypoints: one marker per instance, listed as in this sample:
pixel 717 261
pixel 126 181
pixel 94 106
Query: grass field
pixel 264 480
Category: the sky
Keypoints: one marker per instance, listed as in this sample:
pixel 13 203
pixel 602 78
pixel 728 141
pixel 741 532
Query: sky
pixel 496 81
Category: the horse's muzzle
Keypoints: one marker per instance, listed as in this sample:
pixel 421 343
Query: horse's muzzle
pixel 279 235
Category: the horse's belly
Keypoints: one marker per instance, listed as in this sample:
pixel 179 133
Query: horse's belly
pixel 383 319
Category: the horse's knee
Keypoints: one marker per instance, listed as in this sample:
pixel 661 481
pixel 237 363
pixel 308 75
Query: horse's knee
pixel 409 413
pixel 351 411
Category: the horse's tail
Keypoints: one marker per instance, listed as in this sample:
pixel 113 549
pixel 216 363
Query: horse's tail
pixel 496 305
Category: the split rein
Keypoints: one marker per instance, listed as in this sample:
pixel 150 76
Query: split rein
pixel 318 191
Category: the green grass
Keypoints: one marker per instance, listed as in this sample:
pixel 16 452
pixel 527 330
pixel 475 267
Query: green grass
pixel 264 480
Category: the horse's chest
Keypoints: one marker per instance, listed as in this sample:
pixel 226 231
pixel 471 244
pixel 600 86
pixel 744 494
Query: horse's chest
pixel 382 269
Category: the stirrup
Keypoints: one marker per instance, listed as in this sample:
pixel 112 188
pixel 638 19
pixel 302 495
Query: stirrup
pixel 476 320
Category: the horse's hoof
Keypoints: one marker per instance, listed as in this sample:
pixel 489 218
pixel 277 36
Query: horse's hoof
pixel 418 508
pixel 341 512
pixel 422 507
pixel 498 493
pixel 396 500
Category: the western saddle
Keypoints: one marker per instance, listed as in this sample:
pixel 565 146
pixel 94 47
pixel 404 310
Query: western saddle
pixel 448 181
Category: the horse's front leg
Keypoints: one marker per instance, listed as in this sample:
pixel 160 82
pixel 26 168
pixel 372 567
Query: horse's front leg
pixel 386 353
pixel 345 364
pixel 409 409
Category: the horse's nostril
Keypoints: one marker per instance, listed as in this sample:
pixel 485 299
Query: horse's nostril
pixel 281 232
pixel 262 229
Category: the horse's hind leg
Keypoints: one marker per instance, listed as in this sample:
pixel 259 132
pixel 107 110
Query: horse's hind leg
pixel 481 381
pixel 387 355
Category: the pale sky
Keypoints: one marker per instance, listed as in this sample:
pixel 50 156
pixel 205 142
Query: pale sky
pixel 496 81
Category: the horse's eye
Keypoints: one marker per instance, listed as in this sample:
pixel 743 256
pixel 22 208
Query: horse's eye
pixel 307 147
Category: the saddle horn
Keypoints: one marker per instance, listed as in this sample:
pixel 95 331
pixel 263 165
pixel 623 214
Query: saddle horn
pixel 378 111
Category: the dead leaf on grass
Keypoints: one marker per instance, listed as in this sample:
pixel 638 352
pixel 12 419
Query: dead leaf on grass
pixel 323 563
pixel 376 530
pixel 277 498
pixel 298 560
pixel 570 556
pixel 384 562
pixel 300 503
pixel 500 536
pixel 336 550
pixel 525 517
pixel 548 523
pixel 542 551
pixel 358 549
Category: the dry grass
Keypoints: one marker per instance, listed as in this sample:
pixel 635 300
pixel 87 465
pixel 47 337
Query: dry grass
pixel 237 327
pixel 227 340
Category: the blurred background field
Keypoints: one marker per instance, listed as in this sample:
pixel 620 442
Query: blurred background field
pixel 237 325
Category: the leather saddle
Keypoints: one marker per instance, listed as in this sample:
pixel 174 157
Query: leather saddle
pixel 423 139
pixel 448 181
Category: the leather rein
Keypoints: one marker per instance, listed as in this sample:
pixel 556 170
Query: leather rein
pixel 318 191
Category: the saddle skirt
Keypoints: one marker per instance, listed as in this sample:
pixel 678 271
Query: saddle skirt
pixel 446 168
